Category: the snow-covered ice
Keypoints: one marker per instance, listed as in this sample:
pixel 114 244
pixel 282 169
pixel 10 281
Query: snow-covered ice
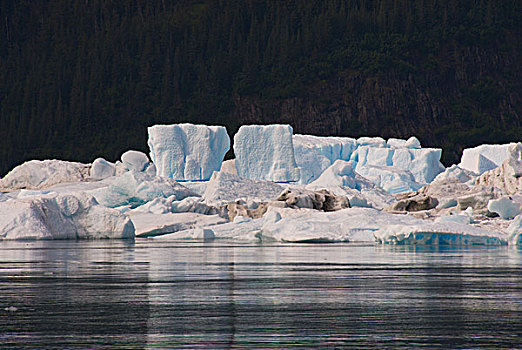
pixel 484 157
pixel 187 151
pixel 341 173
pixel 40 174
pixel 224 187
pixel 266 152
pixel 54 216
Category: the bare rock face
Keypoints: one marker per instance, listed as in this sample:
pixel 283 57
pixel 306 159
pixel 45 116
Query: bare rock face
pixel 416 203
pixel 508 176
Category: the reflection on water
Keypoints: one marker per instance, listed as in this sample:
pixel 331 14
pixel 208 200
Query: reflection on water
pixel 148 294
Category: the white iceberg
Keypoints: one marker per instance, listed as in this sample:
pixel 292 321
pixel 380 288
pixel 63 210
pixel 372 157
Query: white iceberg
pixel 390 178
pixel 341 174
pixel 508 176
pixel 484 157
pixel 187 151
pixel 137 188
pixel 55 216
pixel 102 169
pixel 40 174
pixel 504 207
pixel 424 164
pixel 266 152
pixel 456 173
pixel 135 160
pixel 314 154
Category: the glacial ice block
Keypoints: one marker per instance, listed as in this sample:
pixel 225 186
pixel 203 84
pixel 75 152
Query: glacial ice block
pixel 423 163
pixel 102 169
pixel 137 188
pixel 266 152
pixel 135 160
pixel 56 216
pixel 341 173
pixel 314 154
pixel 40 174
pixel 187 151
pixel 484 157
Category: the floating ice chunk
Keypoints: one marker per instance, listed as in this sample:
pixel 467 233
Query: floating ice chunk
pixel 514 231
pixel 438 233
pixel 149 225
pixel 40 174
pixel 102 169
pixel 224 187
pixel 135 160
pixel 484 157
pixel 313 154
pixel 504 207
pixel 266 152
pixel 187 151
pixel 341 173
pixel 55 216
pixel 137 188
pixel 371 141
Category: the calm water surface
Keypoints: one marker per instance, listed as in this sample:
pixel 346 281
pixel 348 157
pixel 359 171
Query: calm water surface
pixel 165 295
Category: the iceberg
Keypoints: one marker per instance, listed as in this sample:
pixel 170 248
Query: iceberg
pixel 424 164
pixel 266 152
pixel 41 174
pixel 389 178
pixel 102 169
pixel 135 160
pixel 55 216
pixel 504 207
pixel 377 142
pixel 137 188
pixel 341 173
pixel 508 176
pixel 438 233
pixel 187 151
pixel 484 157
pixel 151 225
pixel 456 173
pixel 314 154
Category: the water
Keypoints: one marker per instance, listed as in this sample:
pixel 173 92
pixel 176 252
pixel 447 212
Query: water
pixel 164 295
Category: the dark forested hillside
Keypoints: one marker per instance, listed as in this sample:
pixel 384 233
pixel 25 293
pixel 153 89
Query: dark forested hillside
pixel 84 78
